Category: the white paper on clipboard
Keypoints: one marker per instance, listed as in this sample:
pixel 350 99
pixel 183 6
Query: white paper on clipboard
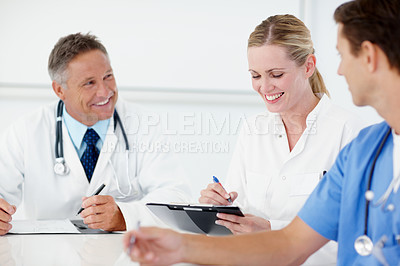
pixel 43 227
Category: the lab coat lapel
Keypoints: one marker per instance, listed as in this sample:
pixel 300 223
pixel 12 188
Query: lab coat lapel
pixel 72 159
pixel 311 129
pixel 101 172
pixel 299 147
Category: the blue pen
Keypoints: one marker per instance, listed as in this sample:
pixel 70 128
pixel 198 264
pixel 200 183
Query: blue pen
pixel 215 179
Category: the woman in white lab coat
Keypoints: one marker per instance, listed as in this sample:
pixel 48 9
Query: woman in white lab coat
pixel 282 154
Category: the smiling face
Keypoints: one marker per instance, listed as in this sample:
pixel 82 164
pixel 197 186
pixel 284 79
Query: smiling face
pixel 91 92
pixel 282 84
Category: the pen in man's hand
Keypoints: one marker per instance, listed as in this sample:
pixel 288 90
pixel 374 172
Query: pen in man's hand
pixel 215 179
pixel 97 192
pixel 132 240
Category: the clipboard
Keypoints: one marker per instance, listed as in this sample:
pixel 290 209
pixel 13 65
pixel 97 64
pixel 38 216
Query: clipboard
pixel 195 218
pixel 84 229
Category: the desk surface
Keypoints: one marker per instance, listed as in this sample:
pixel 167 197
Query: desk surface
pixel 63 249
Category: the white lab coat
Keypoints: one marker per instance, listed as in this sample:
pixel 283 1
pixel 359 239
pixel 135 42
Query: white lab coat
pixel 27 178
pixel 273 182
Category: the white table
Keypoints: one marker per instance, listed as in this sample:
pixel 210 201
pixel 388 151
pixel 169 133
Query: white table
pixel 63 249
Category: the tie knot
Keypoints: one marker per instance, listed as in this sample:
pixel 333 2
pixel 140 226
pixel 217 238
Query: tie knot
pixel 91 137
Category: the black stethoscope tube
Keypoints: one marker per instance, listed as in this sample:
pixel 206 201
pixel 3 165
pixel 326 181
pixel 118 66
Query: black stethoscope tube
pixel 59 151
pixel 118 120
pixel 59 147
pixel 370 178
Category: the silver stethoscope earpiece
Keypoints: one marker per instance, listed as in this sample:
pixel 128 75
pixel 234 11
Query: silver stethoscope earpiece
pixel 61 168
pixel 363 244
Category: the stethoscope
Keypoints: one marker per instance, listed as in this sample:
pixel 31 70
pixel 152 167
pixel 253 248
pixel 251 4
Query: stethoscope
pixel 363 244
pixel 61 168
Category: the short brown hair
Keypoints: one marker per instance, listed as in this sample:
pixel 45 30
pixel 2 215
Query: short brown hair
pixel 290 33
pixel 66 49
pixel 377 21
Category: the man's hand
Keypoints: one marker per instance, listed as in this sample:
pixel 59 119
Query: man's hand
pixel 6 211
pixel 240 225
pixel 101 212
pixel 155 246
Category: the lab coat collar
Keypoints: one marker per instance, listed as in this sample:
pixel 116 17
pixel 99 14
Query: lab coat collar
pixel 279 128
pixel 311 122
pixel 312 116
pixel 72 160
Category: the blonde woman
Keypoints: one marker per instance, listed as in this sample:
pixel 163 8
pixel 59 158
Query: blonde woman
pixel 282 154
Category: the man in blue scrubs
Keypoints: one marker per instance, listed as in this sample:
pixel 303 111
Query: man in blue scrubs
pixel 356 203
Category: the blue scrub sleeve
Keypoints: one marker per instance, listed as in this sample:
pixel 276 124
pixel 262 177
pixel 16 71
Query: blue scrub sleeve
pixel 322 209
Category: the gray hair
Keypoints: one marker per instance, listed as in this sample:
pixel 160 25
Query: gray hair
pixel 66 49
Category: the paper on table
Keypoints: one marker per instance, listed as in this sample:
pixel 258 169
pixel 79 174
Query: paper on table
pixel 43 227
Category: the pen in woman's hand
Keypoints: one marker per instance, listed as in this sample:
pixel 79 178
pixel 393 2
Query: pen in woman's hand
pixel 215 179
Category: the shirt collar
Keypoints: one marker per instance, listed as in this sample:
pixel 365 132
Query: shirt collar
pixel 323 100
pixel 311 117
pixel 77 130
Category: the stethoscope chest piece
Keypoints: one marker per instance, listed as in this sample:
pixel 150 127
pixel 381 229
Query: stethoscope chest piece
pixel 60 168
pixel 363 245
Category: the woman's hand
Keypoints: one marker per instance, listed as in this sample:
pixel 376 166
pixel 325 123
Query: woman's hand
pixel 240 225
pixel 215 194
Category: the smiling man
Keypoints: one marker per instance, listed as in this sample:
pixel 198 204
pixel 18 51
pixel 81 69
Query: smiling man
pixel 90 93
pixel 53 158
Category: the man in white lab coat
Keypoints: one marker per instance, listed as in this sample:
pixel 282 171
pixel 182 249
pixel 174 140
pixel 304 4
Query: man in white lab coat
pixel 46 171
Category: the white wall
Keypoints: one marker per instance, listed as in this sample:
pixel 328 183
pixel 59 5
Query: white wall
pixel 180 44
pixel 319 19
pixel 185 59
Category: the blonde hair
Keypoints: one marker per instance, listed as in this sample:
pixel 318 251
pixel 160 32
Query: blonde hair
pixel 289 32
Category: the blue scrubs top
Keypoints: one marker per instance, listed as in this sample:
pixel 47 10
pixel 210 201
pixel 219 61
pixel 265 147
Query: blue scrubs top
pixel 336 208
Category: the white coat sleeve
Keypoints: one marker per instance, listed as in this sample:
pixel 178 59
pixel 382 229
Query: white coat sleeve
pixel 161 179
pixel 12 163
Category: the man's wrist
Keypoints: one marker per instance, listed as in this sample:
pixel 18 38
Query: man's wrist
pixel 122 226
pixel 185 249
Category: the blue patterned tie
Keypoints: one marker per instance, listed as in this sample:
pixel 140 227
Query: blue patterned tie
pixel 89 157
